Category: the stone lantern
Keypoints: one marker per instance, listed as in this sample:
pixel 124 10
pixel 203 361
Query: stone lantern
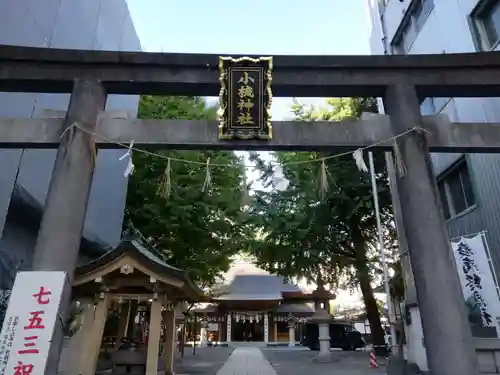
pixel 322 318
pixel 292 324
pixel 203 333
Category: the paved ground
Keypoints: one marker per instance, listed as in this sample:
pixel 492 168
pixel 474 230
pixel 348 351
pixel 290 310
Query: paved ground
pixel 301 362
pixel 247 361
pixel 271 361
pixel 206 361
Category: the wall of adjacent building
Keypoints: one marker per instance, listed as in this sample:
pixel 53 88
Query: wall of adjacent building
pixel 73 24
pixel 449 28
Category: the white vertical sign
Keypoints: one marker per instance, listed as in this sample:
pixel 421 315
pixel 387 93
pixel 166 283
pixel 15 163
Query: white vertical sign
pixel 29 322
pixel 228 328
pixel 477 278
pixel 266 327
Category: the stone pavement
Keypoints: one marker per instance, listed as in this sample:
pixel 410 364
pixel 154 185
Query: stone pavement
pixel 253 361
pixel 247 361
pixel 301 362
pixel 206 361
pixel 271 361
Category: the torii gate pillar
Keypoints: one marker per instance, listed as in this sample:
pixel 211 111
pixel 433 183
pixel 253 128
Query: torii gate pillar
pixel 447 335
pixel 59 237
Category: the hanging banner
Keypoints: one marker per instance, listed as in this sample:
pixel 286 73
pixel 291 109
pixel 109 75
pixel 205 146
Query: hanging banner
pixel 245 97
pixel 478 281
pixel 29 322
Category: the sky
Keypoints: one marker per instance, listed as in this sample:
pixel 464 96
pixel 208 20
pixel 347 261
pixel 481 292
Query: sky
pixel 256 27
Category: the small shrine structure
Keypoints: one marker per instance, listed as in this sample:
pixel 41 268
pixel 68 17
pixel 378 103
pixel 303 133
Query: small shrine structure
pixel 127 299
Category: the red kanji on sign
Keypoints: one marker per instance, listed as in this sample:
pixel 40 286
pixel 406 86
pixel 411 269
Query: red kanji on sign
pixel 35 322
pixel 42 293
pixel 22 369
pixel 29 344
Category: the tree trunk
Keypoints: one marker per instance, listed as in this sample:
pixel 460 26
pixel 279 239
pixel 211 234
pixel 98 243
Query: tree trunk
pixel 372 312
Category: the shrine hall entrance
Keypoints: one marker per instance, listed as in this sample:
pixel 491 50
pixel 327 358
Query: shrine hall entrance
pixel 247 328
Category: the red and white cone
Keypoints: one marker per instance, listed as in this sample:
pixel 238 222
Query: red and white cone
pixel 373 360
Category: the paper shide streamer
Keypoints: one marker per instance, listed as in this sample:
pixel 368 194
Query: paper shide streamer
pixel 278 178
pixel 360 161
pixel 130 166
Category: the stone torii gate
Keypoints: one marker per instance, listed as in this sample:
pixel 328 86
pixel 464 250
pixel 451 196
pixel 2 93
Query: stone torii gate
pixel 402 82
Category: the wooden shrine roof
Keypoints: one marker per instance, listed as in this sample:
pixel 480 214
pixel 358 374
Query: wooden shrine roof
pixel 138 256
pixel 259 287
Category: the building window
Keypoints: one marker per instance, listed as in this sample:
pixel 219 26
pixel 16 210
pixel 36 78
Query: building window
pixel 433 106
pixel 411 25
pixel 455 190
pixel 428 107
pixel 486 24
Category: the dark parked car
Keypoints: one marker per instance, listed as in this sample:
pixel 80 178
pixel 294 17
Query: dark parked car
pixel 342 335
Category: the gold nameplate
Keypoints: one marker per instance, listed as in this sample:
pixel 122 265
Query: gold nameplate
pixel 245 98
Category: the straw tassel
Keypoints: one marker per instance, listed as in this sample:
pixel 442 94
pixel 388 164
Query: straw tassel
pixel 398 160
pixel 165 187
pixel 360 161
pixel 245 196
pixel 207 184
pixel 323 183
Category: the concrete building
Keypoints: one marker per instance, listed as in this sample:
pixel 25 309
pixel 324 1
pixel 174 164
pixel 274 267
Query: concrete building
pixel 469 183
pixel 25 174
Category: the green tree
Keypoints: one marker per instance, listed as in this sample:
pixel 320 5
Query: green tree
pixel 327 237
pixel 195 230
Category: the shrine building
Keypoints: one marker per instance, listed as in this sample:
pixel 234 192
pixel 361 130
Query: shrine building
pixel 128 300
pixel 255 306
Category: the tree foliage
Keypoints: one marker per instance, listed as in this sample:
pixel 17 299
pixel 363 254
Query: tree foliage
pixel 327 238
pixel 198 231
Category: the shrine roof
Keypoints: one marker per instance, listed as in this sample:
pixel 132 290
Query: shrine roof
pixel 132 248
pixel 145 258
pixel 250 297
pixel 257 287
